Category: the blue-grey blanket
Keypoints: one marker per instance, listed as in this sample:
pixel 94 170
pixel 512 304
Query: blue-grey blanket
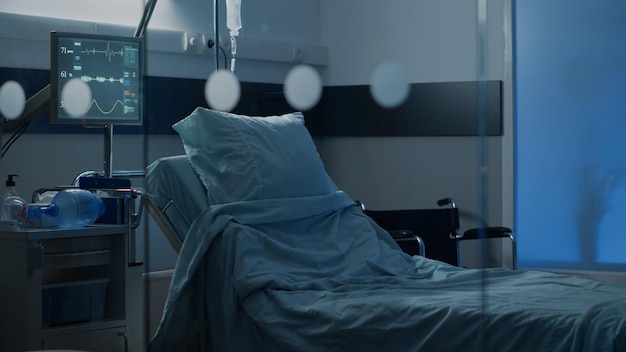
pixel 316 274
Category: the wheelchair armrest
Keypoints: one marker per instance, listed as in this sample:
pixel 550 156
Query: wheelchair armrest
pixel 403 237
pixel 487 232
pixel 493 232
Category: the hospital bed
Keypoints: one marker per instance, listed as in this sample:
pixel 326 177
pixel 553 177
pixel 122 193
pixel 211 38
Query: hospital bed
pixel 274 257
pixel 177 197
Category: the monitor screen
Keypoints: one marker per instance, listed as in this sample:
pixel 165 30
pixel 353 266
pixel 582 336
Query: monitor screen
pixel 112 67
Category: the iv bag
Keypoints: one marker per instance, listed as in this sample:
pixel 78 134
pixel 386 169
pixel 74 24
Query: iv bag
pixel 233 16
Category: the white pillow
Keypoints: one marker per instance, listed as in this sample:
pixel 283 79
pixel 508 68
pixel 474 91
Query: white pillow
pixel 240 157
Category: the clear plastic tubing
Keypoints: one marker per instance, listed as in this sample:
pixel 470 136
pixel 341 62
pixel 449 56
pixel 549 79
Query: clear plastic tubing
pixel 233 51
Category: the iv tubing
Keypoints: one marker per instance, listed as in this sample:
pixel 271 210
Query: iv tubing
pixel 233 51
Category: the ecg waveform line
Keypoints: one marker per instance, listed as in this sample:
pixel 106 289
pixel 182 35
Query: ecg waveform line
pixel 105 112
pixel 101 79
pixel 108 52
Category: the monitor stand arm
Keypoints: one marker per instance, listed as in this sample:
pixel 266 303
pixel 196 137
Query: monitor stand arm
pixel 33 108
pixel 108 151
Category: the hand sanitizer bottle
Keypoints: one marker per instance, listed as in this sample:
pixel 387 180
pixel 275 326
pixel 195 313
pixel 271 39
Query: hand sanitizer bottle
pixel 12 203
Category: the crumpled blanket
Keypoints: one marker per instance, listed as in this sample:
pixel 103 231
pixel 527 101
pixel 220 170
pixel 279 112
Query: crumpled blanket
pixel 316 274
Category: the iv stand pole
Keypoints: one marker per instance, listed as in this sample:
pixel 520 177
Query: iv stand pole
pixel 108 129
pixel 216 36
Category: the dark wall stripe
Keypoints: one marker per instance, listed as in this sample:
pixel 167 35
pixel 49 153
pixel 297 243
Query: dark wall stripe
pixel 432 109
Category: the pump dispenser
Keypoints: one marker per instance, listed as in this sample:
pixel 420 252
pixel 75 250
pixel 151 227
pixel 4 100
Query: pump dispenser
pixel 12 204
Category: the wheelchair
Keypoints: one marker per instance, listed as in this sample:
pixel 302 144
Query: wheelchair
pixel 436 234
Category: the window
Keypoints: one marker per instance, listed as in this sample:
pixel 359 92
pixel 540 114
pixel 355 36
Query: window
pixel 570 122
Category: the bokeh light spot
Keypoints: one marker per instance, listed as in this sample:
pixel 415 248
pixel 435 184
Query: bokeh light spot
pixel 76 97
pixel 12 100
pixel 389 85
pixel 303 87
pixel 222 90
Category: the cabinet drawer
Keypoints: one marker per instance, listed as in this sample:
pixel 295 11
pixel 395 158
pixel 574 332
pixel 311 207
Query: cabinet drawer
pixel 104 340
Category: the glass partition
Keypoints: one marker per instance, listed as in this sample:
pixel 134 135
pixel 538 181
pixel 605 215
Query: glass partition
pixel 377 103
pixel 507 111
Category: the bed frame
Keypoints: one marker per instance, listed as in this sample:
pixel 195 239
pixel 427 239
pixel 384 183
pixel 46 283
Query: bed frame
pixel 434 233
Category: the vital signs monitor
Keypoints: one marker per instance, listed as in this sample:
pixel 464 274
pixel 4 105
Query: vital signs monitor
pixel 112 68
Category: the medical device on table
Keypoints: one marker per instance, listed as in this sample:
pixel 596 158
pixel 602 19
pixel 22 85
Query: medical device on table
pixel 73 207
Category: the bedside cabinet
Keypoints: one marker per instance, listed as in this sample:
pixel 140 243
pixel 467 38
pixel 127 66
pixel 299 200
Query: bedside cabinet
pixel 70 289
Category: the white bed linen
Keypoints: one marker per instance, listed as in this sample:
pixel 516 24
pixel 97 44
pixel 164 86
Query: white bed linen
pixel 315 274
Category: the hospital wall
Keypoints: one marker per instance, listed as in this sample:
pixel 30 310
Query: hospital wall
pixel 436 41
